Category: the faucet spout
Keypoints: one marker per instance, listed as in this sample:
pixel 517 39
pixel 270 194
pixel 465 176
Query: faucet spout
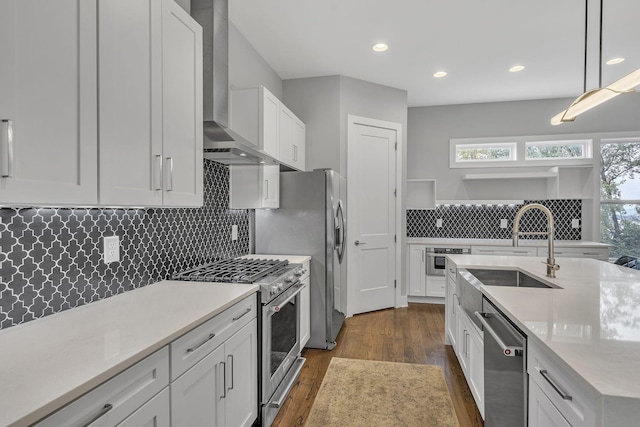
pixel 552 267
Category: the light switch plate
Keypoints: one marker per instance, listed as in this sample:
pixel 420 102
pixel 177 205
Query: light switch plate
pixel 575 223
pixel 111 249
pixel 234 232
pixel 439 222
pixel 503 223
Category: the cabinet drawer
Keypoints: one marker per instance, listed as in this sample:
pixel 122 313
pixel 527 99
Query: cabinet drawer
pixel 125 393
pixel 504 250
pixel 574 403
pixel 153 413
pixel 192 347
pixel 597 253
pixel 436 286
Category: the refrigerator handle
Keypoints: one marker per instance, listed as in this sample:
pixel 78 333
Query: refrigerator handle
pixel 340 231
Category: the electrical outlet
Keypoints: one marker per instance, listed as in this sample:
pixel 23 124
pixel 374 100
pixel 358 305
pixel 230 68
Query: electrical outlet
pixel 575 223
pixel 111 249
pixel 234 232
pixel 503 223
pixel 439 222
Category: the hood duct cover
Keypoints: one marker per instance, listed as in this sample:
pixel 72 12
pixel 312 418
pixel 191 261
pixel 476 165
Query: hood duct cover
pixel 221 144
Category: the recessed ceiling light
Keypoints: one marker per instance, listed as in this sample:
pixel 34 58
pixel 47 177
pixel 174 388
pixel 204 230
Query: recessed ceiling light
pixel 439 74
pixel 615 61
pixel 380 47
pixel 516 68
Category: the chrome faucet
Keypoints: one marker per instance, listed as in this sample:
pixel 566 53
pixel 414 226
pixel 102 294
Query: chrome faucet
pixel 552 267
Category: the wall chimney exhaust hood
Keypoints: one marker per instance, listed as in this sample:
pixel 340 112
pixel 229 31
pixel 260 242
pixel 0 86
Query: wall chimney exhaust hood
pixel 221 143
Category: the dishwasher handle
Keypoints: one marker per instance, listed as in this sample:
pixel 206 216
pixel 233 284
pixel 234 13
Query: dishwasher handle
pixel 507 350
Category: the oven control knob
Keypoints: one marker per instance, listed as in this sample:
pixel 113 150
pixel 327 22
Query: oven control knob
pixel 299 272
pixel 289 279
pixel 273 289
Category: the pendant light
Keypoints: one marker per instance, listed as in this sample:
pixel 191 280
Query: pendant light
pixel 595 97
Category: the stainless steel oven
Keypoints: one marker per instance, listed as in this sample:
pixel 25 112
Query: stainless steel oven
pixel 436 259
pixel 281 362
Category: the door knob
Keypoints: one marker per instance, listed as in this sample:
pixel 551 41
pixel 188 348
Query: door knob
pixel 358 243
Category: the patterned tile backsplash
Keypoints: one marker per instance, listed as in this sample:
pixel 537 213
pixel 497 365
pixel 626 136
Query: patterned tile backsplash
pixel 483 221
pixel 51 259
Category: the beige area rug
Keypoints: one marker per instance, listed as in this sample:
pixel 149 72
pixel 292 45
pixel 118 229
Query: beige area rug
pixel 371 393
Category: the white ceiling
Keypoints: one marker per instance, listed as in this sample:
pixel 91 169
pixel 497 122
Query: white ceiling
pixel 475 41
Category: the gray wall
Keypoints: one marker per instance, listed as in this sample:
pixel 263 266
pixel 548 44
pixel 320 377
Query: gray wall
pixel 247 68
pixel 430 128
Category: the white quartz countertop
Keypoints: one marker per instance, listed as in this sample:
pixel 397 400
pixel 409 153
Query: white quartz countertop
pixel 48 362
pixel 591 325
pixel 505 242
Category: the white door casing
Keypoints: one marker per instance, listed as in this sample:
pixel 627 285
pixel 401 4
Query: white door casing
pixel 372 211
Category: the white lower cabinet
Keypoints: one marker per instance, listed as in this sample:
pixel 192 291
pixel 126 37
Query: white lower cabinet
pixel 417 271
pixel 119 398
pixel 436 286
pixel 542 413
pixel 221 389
pixel 476 366
pixel 154 413
pixel 451 313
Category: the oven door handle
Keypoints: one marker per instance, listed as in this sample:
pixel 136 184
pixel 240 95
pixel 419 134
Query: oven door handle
pixel 276 308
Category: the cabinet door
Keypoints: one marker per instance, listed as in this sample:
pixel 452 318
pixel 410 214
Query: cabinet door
pixel 299 144
pixel 241 382
pixel 417 272
pixel 181 107
pixel 197 397
pixel 287 123
pixel 48 98
pixel 542 413
pixel 270 197
pixel 305 312
pixel 436 286
pixel 154 413
pixel 130 61
pixel 451 312
pixel 270 123
pixel 476 367
pixel 462 341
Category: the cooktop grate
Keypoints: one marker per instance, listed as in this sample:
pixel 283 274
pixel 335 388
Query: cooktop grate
pixel 233 270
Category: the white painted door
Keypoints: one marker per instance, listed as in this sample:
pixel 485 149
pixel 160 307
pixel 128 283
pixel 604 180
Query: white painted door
pixel 48 102
pixel 371 186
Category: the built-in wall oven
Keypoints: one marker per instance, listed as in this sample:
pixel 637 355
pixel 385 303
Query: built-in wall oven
pixel 436 259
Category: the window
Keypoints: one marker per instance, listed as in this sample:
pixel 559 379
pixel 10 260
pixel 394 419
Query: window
pixel 620 197
pixel 485 152
pixel 544 150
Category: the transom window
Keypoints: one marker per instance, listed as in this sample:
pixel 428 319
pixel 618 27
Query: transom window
pixel 485 152
pixel 541 150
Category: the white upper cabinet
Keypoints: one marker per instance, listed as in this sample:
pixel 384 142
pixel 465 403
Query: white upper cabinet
pixel 254 187
pixel 150 104
pixel 292 139
pixel 48 102
pixel 254 116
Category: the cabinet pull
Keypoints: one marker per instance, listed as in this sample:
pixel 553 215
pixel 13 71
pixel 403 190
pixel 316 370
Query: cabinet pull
pixel 247 311
pixel 266 189
pixel 170 173
pixel 191 350
pixel 295 153
pixel 106 408
pixel 453 304
pixel 563 394
pixel 230 358
pixel 224 380
pixel 6 136
pixel 157 173
pixel 520 252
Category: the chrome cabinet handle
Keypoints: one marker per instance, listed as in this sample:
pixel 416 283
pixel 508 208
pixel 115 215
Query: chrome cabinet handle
pixel 563 394
pixel 224 380
pixel 248 310
pixel 266 189
pixel 211 336
pixel 6 151
pixel 295 153
pixel 507 350
pixel 453 305
pixel 157 173
pixel 230 358
pixel 358 243
pixel 106 408
pixel 170 173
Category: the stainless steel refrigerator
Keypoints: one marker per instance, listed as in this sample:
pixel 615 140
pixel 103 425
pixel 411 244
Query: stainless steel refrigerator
pixel 311 221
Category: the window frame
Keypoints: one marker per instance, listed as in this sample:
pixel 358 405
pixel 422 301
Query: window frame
pixel 587 149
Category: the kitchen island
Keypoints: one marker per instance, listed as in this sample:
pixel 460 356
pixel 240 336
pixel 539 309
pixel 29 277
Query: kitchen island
pixel 589 326
pixel 49 362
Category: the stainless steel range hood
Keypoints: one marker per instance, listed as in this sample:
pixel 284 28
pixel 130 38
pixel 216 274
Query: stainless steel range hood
pixel 221 144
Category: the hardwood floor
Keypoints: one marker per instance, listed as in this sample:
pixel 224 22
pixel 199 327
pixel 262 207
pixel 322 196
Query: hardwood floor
pixel 412 335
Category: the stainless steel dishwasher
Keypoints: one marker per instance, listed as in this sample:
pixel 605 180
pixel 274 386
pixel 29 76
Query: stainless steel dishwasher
pixel 505 369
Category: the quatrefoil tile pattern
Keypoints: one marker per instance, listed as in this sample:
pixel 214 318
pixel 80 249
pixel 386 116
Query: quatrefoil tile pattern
pixel 483 221
pixel 51 259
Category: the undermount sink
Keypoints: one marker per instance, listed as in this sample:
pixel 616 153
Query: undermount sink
pixel 469 282
pixel 506 278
